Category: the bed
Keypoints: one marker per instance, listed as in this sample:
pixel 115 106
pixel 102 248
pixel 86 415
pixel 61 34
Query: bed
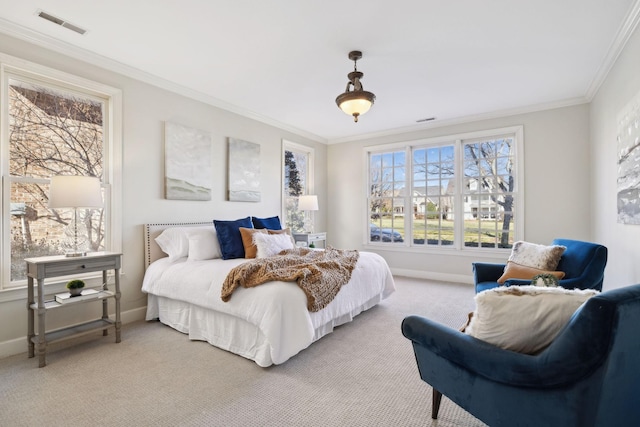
pixel 269 323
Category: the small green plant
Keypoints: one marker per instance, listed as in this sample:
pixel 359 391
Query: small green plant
pixel 75 284
pixel 548 280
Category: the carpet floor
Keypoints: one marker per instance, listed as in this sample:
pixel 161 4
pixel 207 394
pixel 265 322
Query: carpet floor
pixel 362 374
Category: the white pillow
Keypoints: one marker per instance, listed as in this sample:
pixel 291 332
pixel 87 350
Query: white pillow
pixel 537 256
pixel 271 244
pixel 204 245
pixel 525 319
pixel 174 241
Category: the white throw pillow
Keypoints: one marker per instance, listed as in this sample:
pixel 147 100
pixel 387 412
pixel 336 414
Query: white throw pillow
pixel 271 244
pixel 174 241
pixel 525 319
pixel 537 256
pixel 204 245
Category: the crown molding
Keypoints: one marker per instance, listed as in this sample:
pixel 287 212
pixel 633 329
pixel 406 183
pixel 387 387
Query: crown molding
pixel 67 49
pixel 619 42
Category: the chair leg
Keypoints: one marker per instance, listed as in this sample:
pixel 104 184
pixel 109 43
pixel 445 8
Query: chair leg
pixel 435 407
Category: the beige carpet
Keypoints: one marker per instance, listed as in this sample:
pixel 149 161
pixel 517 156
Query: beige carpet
pixel 363 374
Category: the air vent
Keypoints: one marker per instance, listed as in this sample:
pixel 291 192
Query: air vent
pixel 428 119
pixel 61 22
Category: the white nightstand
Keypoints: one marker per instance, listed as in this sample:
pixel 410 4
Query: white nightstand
pixel 308 238
pixel 53 266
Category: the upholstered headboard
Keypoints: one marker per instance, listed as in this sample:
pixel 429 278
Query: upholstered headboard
pixel 152 251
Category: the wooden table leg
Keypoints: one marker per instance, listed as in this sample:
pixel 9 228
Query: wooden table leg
pixel 42 342
pixel 30 318
pixel 118 321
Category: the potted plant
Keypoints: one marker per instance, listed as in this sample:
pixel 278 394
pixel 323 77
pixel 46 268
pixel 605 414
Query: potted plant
pixel 548 280
pixel 75 287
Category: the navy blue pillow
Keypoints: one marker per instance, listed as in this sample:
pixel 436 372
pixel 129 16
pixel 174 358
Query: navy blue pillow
pixel 230 238
pixel 272 223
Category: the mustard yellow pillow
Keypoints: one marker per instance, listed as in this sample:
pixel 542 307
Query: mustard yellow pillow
pixel 517 271
pixel 250 248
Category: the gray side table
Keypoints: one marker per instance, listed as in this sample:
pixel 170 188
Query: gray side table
pixel 309 238
pixel 53 266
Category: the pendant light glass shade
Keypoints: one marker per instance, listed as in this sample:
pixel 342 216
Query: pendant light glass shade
pixel 355 103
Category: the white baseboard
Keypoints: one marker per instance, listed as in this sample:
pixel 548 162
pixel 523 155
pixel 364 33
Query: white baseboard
pixel 19 345
pixel 429 275
pixel 11 347
pixel 134 315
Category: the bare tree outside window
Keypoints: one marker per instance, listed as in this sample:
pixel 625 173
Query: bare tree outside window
pixel 490 183
pixel 387 191
pixel 51 132
pixel 295 171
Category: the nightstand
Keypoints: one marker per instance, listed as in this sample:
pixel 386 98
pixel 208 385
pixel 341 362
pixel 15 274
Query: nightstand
pixel 54 266
pixel 309 238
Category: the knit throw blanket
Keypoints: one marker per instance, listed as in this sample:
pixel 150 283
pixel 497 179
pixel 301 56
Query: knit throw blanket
pixel 320 274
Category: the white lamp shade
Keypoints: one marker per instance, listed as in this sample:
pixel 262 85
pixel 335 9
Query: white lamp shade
pixel 308 203
pixel 75 192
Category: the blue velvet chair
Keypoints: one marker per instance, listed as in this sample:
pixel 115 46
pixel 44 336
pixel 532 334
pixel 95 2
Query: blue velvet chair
pixel 589 376
pixel 582 262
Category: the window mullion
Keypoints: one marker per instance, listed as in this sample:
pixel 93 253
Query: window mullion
pixel 408 200
pixel 459 194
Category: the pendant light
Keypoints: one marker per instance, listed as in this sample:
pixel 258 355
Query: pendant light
pixel 357 101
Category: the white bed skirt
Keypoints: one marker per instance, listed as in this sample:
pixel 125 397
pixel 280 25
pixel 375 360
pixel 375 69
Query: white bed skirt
pixel 228 332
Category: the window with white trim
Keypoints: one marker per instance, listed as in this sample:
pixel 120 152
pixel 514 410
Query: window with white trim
pixel 460 192
pixel 297 179
pixel 53 124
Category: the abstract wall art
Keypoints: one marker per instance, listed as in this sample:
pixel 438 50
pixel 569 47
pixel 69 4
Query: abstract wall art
pixel 188 163
pixel 628 185
pixel 244 171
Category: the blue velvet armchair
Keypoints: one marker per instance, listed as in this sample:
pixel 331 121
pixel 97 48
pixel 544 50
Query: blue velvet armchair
pixel 582 262
pixel 588 377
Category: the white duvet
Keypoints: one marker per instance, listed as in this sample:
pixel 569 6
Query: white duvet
pixel 277 309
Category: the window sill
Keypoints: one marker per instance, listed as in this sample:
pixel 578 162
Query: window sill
pixel 441 250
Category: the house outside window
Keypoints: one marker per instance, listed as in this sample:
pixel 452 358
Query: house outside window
pixel 456 192
pixel 297 179
pixel 54 124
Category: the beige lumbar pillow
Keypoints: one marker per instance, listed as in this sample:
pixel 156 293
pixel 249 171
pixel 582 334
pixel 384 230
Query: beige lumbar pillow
pixel 537 256
pixel 525 319
pixel 517 271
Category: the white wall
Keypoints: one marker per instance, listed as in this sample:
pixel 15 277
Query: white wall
pixel 146 108
pixel 621 85
pixel 557 189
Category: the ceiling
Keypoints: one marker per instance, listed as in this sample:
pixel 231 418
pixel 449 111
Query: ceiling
pixel 284 62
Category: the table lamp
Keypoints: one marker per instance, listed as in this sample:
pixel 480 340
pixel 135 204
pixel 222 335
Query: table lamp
pixel 308 203
pixel 75 192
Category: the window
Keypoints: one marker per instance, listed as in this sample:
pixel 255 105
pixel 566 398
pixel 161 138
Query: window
pixel 387 187
pixel 297 181
pixel 453 192
pixel 54 124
